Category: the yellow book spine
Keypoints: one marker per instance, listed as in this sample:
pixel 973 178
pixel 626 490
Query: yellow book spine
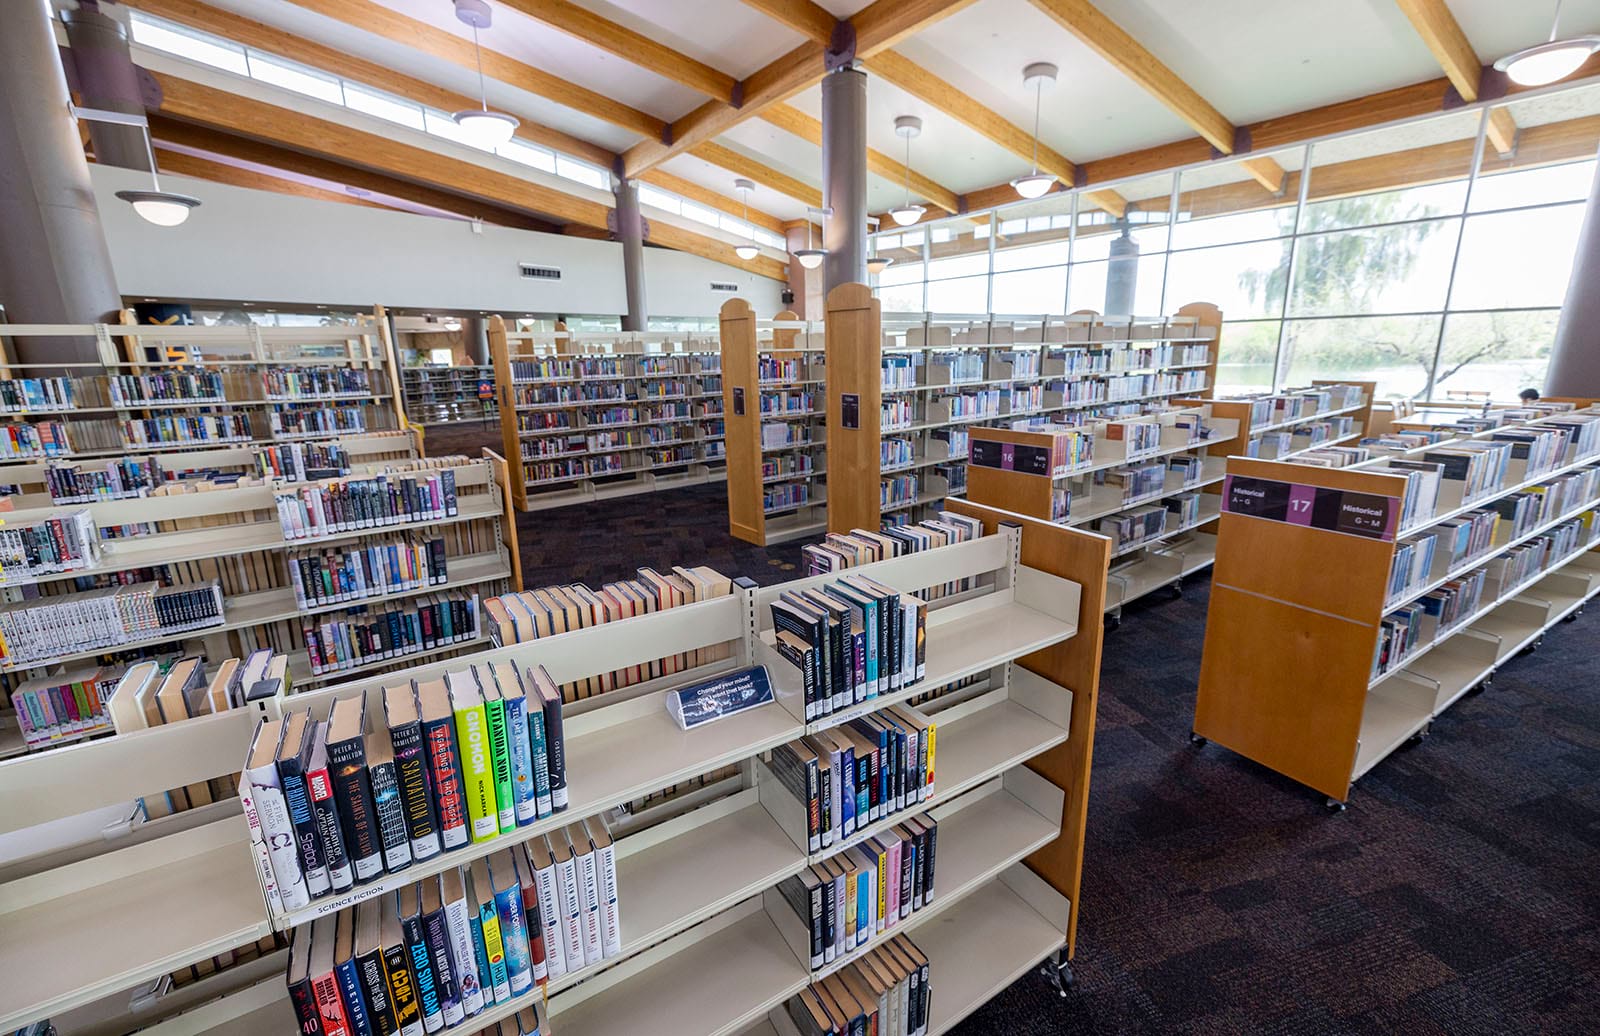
pixel 472 730
pixel 933 743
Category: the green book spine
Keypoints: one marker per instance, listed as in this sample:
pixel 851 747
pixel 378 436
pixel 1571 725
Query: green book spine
pixel 472 730
pixel 494 713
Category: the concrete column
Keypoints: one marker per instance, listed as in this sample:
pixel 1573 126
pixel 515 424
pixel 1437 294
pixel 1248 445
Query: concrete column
pixel 806 284
pixel 1575 358
pixel 477 329
pixel 630 231
pixel 107 79
pixel 55 267
pixel 1122 276
pixel 844 176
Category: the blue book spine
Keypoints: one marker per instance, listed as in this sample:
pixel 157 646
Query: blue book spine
pixel 499 980
pixel 847 792
pixel 524 789
pixel 861 662
pixel 514 932
pixel 539 754
pixel 422 971
pixel 355 1007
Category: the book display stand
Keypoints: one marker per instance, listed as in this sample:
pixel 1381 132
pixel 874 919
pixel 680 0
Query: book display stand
pixel 1365 646
pixel 449 395
pixel 903 395
pixel 592 416
pixel 706 947
pixel 772 402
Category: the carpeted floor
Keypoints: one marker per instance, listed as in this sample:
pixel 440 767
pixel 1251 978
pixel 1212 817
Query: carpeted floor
pixel 1459 894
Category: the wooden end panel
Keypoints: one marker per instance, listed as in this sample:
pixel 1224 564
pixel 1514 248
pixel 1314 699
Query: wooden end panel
pixel 854 344
pixel 740 370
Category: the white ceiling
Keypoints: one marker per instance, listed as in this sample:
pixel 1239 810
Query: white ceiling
pixel 1251 59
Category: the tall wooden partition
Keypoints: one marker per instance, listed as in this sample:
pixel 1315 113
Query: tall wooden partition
pixel 854 361
pixel 741 420
pixel 1207 316
pixel 1083 558
pixel 510 438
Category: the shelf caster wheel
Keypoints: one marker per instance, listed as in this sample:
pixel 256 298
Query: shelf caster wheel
pixel 1196 740
pixel 1420 736
pixel 1058 972
pixel 1177 588
pixel 1335 806
pixel 1574 616
pixel 1114 620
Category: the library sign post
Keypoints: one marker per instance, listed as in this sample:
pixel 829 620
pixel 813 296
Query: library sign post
pixel 1314 507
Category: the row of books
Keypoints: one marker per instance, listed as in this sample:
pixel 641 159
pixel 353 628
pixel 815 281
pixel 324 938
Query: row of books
pixel 120 479
pixel 772 369
pixel 364 636
pixel 853 641
pixel 305 382
pixel 66 542
pixel 897 491
pixel 885 993
pixel 858 773
pixel 785 497
pixel 897 412
pixel 43 628
pixel 320 422
pixel 840 551
pixel 25 395
pixel 850 899
pixel 1522 563
pixel 586 394
pixel 1410 626
pixel 302 461
pixel 36 441
pixel 332 576
pixel 780 433
pixel 332 508
pixel 1137 525
pixel 171 429
pixel 787 465
pixel 1134 483
pixel 180 386
pixel 64 706
pixel 550 368
pixel 333 805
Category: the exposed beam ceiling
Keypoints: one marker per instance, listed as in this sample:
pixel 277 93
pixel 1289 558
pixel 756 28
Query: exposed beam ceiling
pixel 1124 53
pixel 1451 48
pixel 252 33
pixel 371 16
pixel 194 102
pixel 792 120
pixel 878 27
pixel 742 164
pixel 803 16
pixel 181 163
pixel 187 134
pixel 637 48
pixel 706 196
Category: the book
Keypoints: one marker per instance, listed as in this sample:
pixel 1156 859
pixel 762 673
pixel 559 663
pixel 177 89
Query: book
pixel 544 875
pixel 488 928
pixel 569 900
pixel 588 892
pixel 514 701
pixel 605 866
pixel 277 828
pixel 330 833
pixel 532 917
pixel 324 983
pixel 412 770
pixel 438 731
pixel 386 803
pixel 348 975
pixel 352 790
pixel 472 734
pixel 453 891
pixel 555 747
pixel 506 888
pixel 298 978
pixel 435 929
pixel 494 714
pixel 429 998
pixel 294 757
pixel 401 984
pixel 370 968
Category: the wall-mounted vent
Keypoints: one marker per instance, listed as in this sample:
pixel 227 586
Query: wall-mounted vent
pixel 724 286
pixel 539 273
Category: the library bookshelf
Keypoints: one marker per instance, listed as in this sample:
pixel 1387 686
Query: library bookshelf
pixel 1290 675
pixel 777 437
pixel 586 417
pixel 234 538
pixel 705 949
pixel 1145 491
pixel 449 395
pixel 160 388
pixel 903 394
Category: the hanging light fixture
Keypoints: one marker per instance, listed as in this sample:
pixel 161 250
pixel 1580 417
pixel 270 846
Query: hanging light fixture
pixel 876 263
pixel 488 129
pixel 163 208
pixel 907 126
pixel 811 257
pixel 744 251
pixel 1549 61
pixel 1036 184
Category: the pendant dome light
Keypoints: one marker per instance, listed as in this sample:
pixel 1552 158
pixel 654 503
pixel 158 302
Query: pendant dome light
pixel 907 126
pixel 1549 61
pixel 486 128
pixel 744 187
pixel 1036 184
pixel 810 256
pixel 163 208
pixel 876 263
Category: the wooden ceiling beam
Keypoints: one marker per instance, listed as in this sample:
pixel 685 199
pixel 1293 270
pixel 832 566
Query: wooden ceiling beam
pixel 194 102
pixel 637 48
pixel 181 163
pixel 877 27
pixel 187 134
pixel 1450 47
pixel 792 120
pixel 803 16
pixel 1266 171
pixel 742 164
pixel 709 198
pixel 371 16
pixel 265 37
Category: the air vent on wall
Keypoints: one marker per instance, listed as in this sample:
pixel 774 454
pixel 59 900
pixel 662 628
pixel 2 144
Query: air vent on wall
pixel 724 286
pixel 539 273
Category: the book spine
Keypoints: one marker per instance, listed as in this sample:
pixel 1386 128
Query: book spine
pixel 355 1007
pixel 605 866
pixel 555 747
pixel 328 830
pixel 550 919
pixel 304 1002
pixel 480 956
pixel 446 778
pixel 514 936
pixel 278 831
pixel 538 749
pixel 391 816
pixel 500 765
pixel 375 990
pixel 436 932
pixel 535 930
pixel 358 819
pixel 524 790
pixel 494 949
pixel 431 1005
pixel 476 772
pixel 460 931
pixel 589 905
pixel 330 1008
pixel 402 991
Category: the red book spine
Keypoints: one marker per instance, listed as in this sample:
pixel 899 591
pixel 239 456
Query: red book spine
pixel 329 1007
pixel 446 777
pixel 530 910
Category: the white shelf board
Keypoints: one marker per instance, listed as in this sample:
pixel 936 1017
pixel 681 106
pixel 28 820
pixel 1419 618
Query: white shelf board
pixel 1387 722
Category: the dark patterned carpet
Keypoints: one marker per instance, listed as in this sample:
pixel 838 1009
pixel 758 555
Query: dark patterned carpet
pixel 1458 895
